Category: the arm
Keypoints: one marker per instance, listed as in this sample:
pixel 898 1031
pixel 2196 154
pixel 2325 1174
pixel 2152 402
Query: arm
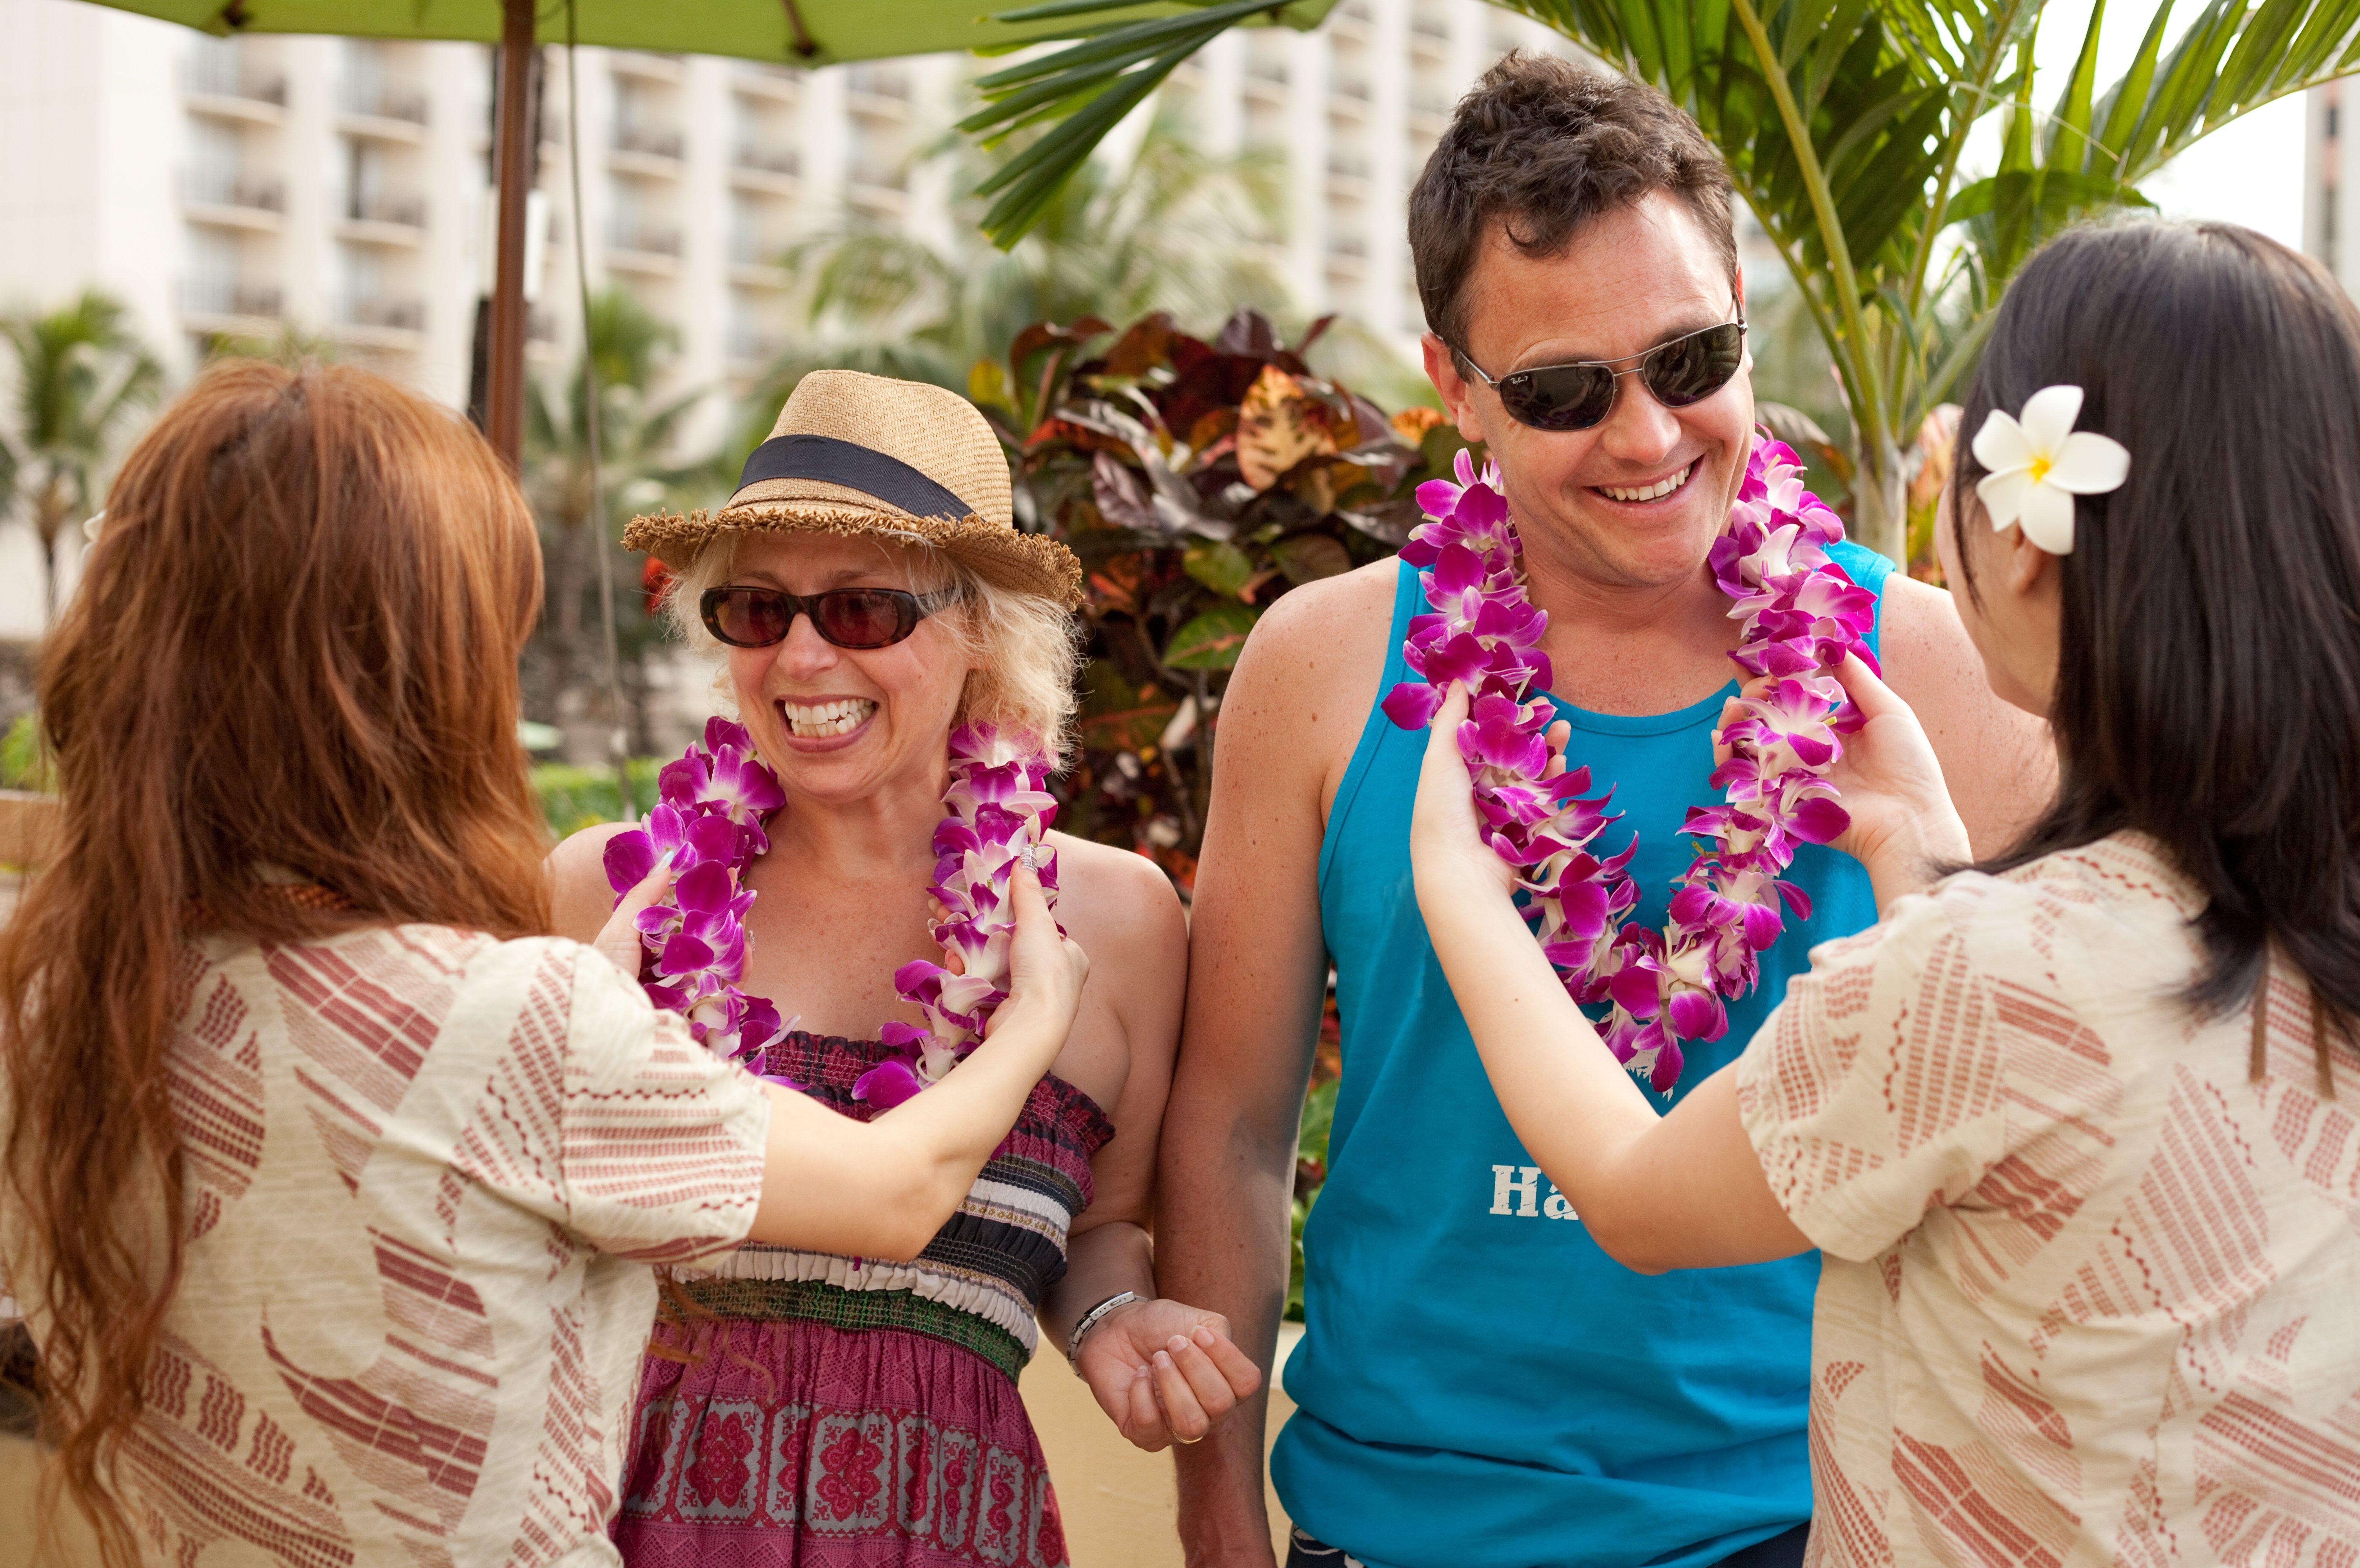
pixel 1258 972
pixel 1683 1190
pixel 882 1188
pixel 2000 760
pixel 1161 1370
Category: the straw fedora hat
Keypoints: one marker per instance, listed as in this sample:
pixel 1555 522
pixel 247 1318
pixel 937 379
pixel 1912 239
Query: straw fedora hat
pixel 867 454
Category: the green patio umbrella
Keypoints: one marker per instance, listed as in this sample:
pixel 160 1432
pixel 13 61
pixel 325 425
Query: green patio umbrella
pixel 794 32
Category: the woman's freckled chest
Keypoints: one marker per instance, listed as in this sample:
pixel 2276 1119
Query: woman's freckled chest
pixel 825 948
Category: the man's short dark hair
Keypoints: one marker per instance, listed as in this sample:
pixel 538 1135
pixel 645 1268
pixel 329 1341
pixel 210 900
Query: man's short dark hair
pixel 1543 145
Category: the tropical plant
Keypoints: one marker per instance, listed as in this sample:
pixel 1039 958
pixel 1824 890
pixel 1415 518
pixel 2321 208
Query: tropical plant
pixel 1198 481
pixel 1169 228
pixel 82 375
pixel 1846 127
pixel 625 345
pixel 293 345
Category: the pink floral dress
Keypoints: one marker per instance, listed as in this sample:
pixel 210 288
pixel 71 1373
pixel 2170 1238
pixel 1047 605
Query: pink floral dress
pixel 836 1412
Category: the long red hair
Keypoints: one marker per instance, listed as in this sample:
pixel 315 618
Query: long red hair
pixel 293 650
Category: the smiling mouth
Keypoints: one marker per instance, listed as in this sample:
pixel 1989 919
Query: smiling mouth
pixel 817 721
pixel 1660 488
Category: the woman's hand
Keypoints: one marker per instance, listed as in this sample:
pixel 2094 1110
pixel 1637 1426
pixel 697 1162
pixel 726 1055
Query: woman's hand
pixel 618 940
pixel 1046 968
pixel 1890 784
pixel 1165 1372
pixel 1447 843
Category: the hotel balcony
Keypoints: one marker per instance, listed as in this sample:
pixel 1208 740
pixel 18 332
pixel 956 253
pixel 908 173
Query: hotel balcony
pixel 757 262
pixel 382 112
pixel 388 220
pixel 636 245
pixel 877 91
pixel 647 149
pixel 224 87
pixel 228 305
pixel 234 198
pixel 758 166
pixel 381 321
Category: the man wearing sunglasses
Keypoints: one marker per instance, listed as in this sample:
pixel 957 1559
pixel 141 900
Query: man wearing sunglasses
pixel 1479 1385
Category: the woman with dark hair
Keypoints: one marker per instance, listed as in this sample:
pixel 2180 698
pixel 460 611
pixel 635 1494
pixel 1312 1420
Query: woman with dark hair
pixel 2065 1125
pixel 332 1186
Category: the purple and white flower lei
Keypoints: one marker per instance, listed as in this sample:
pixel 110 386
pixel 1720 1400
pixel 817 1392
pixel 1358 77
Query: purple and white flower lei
pixel 714 801
pixel 1801 613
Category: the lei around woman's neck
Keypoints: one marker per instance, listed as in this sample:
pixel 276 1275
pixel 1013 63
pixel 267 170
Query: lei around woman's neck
pixel 714 799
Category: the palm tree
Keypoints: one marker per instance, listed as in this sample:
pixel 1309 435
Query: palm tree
pixel 81 375
pixel 292 345
pixel 1845 124
pixel 626 347
pixel 1170 228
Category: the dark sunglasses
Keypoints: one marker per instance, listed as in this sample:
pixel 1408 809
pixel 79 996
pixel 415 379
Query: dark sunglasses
pixel 848 617
pixel 1576 397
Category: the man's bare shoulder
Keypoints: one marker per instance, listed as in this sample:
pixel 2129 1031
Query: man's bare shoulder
pixel 1321 644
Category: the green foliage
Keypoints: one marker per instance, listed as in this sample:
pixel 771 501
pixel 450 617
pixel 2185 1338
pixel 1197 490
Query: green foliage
pixel 24 757
pixel 1310 1175
pixel 1198 481
pixel 1213 639
pixel 292 345
pixel 575 797
pixel 1170 229
pixel 82 377
pixel 626 346
pixel 1844 124
pixel 1085 90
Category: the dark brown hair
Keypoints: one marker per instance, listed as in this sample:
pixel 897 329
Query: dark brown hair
pixel 1543 145
pixel 2208 671
pixel 294 646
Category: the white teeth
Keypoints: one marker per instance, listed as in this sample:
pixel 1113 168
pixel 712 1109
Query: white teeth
pixel 1661 487
pixel 816 721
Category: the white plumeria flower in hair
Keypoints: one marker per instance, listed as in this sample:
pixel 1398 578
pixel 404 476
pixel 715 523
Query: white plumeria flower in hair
pixel 2040 463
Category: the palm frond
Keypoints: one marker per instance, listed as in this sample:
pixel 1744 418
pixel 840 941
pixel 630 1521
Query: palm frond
pixel 1086 88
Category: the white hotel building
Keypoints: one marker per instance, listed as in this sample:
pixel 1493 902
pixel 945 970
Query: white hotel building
pixel 338 186
pixel 338 189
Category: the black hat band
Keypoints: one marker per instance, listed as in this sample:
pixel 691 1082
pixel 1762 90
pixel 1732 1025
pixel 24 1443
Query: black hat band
pixel 856 467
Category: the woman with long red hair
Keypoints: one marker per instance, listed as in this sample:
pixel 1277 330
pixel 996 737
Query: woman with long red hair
pixel 332 1185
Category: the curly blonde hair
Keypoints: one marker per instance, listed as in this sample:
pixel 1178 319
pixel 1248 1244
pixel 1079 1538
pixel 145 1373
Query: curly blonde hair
pixel 1025 647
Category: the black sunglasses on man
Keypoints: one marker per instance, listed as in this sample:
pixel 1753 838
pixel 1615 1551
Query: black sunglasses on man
pixel 1577 395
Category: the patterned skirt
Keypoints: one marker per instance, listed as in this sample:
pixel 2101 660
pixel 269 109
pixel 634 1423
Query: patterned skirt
pixel 787 1443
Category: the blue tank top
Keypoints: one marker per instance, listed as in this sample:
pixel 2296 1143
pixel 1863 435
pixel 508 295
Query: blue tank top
pixel 1479 1385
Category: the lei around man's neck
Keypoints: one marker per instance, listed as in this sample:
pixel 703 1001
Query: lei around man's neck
pixel 1800 616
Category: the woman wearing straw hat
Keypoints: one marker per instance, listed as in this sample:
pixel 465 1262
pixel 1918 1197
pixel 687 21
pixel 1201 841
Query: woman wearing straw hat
pixel 875 611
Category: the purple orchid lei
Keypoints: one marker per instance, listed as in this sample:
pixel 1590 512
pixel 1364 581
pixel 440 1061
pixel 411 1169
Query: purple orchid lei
pixel 1801 615
pixel 713 803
